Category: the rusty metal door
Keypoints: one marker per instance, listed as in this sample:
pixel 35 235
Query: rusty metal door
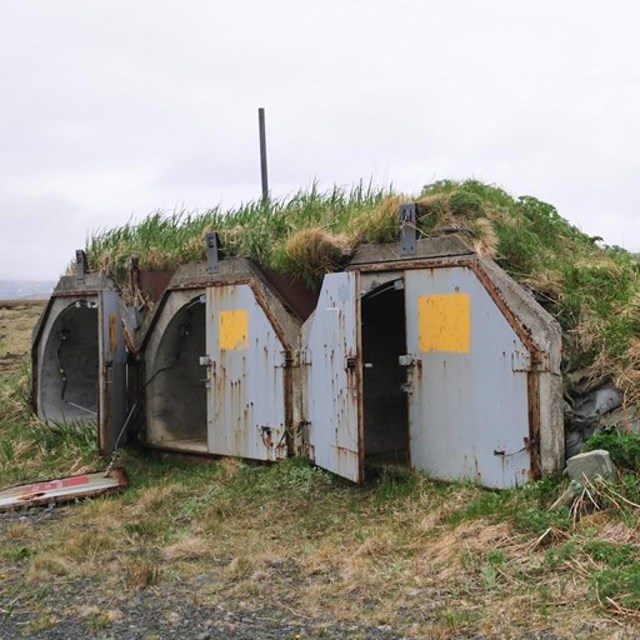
pixel 112 375
pixel 331 355
pixel 466 380
pixel 246 362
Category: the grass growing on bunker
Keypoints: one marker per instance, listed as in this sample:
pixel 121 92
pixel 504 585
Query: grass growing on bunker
pixel 591 289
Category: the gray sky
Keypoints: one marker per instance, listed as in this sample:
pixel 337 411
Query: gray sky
pixel 119 108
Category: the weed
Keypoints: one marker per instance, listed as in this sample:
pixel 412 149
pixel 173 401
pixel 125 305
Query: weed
pixel 618 586
pixel 489 577
pixel 537 521
pixel 44 565
pixel 624 448
pixel 140 573
pixel 45 621
pixel 17 553
pixel 457 620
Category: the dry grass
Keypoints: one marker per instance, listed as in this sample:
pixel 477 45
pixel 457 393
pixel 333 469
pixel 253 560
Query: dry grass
pixel 190 548
pixel 378 224
pixel 44 566
pixel 311 253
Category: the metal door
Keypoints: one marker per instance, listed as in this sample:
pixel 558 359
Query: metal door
pixel 112 374
pixel 331 356
pixel 467 381
pixel 246 412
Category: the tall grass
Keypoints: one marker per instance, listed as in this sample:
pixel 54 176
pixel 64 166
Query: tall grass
pixel 593 290
pixel 256 229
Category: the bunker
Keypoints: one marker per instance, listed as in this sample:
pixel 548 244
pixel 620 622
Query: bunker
pixel 217 364
pixel 432 356
pixel 420 352
pixel 79 357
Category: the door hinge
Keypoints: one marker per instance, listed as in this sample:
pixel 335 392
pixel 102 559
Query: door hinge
pixel 520 361
pixel 292 358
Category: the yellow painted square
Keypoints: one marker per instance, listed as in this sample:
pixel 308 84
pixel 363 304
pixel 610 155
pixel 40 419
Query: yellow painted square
pixel 444 323
pixel 234 330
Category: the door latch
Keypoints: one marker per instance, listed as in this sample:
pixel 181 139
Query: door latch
pixel 407 360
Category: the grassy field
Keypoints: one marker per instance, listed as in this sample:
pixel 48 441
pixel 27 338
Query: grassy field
pixel 419 558
pixel 17 318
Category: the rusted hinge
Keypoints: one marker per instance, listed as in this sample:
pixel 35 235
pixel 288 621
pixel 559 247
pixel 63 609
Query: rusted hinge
pixel 520 361
pixel 527 361
pixel 292 359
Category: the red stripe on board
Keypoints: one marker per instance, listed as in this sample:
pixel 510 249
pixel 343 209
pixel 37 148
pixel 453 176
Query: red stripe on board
pixel 43 487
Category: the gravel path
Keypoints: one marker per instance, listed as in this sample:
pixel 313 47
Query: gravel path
pixel 169 612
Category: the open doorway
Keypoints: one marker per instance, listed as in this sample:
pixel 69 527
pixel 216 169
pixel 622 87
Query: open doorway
pixel 70 366
pixel 386 421
pixel 176 390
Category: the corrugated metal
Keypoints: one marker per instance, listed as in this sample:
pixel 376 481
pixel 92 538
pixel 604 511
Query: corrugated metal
pixel 247 360
pixel 331 353
pixel 468 397
pixel 112 380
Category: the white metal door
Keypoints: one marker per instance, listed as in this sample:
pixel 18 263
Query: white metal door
pixel 112 374
pixel 331 356
pixel 246 412
pixel 467 381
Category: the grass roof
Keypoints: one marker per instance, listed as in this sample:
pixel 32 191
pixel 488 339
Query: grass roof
pixel 593 290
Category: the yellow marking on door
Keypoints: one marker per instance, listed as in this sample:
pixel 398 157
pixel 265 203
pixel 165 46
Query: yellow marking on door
pixel 234 330
pixel 444 323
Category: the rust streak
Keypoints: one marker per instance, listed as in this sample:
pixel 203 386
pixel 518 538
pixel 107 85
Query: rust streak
pixel 533 395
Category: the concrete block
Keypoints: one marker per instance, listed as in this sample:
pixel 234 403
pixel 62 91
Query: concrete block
pixel 590 464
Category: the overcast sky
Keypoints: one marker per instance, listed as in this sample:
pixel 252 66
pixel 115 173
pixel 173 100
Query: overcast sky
pixel 119 108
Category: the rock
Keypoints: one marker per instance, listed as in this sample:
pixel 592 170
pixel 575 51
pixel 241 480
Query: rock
pixel 573 441
pixel 205 635
pixel 581 382
pixel 587 416
pixel 589 465
pixel 598 403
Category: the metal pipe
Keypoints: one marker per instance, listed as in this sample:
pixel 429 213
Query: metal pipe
pixel 263 155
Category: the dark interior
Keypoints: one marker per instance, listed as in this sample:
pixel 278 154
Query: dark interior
pixel 386 431
pixel 177 393
pixel 70 365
